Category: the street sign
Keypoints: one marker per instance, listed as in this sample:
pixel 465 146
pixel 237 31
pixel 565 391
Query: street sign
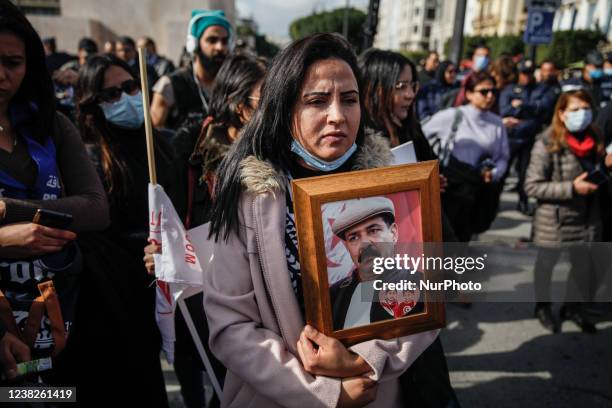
pixel 539 25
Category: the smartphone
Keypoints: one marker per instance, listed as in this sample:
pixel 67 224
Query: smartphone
pixel 52 219
pixel 597 176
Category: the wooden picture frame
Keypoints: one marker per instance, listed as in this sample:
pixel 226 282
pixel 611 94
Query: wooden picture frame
pixel 313 196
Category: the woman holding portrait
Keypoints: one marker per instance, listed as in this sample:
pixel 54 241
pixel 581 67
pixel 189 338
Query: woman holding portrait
pixel 308 123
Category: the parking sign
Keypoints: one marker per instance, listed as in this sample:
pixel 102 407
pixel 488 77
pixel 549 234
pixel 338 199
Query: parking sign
pixel 540 17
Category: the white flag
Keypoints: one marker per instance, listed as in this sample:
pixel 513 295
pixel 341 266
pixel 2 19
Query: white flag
pixel 179 266
pixel 178 262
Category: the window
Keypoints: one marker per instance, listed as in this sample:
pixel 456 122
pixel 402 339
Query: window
pixel 415 29
pixel 431 13
pixel 427 31
pixel 416 11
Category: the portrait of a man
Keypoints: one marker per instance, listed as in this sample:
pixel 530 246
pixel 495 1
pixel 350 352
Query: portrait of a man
pixel 367 227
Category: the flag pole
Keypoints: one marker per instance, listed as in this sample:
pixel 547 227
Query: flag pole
pixel 144 84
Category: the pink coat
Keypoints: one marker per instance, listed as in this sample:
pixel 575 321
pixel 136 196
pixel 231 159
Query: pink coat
pixel 254 317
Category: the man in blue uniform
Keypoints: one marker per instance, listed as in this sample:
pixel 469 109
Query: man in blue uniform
pixel 593 80
pixel 525 107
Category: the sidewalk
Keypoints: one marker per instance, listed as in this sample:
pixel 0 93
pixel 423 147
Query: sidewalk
pixel 500 356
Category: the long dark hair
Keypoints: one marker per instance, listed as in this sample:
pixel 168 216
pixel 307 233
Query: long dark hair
pixel 380 71
pixel 440 75
pixel 37 86
pixel 267 135
pixel 233 85
pixel 93 125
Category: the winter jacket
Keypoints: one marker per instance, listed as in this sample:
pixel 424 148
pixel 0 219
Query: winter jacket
pixel 253 312
pixel 562 216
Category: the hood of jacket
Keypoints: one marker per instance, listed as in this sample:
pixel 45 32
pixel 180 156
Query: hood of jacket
pixel 259 176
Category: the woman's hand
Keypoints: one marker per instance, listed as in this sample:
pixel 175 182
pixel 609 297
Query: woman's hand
pixel 357 392
pixel 487 176
pixel 608 160
pixel 331 358
pixel 510 122
pixel 12 350
pixel 583 187
pixel 148 259
pixel 29 239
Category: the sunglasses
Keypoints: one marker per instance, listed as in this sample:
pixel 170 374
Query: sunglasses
pixel 113 93
pixel 401 85
pixel 485 92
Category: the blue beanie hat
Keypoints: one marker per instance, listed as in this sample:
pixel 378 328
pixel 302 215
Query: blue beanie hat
pixel 209 18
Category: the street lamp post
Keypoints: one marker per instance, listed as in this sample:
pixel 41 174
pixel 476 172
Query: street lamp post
pixel 457 42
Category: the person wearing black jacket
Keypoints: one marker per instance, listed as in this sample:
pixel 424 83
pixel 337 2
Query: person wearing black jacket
pixel 390 87
pixel 187 90
pixel 200 145
pixel 603 122
pixel 125 336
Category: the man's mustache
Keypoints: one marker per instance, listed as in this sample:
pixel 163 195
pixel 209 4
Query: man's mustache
pixel 367 252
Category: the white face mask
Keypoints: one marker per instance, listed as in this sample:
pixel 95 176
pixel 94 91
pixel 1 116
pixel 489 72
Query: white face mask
pixel 577 121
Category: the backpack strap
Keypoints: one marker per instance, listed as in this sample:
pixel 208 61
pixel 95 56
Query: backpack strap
pixel 58 329
pixel 47 300
pixel 32 325
pixel 450 142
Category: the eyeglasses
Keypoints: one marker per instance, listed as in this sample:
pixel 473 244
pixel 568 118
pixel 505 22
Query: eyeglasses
pixel 486 91
pixel 113 93
pixel 401 85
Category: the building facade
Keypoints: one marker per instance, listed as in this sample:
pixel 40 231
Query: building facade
pixel 584 14
pixel 165 22
pixel 405 25
pixel 499 17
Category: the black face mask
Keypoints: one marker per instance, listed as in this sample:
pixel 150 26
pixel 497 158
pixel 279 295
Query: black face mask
pixel 211 65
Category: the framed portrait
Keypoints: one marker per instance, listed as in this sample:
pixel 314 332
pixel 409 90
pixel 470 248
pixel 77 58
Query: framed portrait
pixel 356 231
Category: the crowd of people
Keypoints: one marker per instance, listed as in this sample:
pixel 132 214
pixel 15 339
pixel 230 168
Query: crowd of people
pixel 230 132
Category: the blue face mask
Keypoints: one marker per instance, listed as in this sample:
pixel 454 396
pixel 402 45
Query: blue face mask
pixel 579 120
pixel 481 63
pixel 317 163
pixel 596 73
pixel 127 112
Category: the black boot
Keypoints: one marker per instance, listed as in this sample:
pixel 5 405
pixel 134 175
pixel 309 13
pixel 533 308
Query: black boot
pixel 577 315
pixel 547 319
pixel 524 208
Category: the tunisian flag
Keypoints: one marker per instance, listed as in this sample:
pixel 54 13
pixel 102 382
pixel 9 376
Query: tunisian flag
pixel 178 267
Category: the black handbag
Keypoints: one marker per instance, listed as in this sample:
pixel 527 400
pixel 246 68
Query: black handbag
pixel 465 181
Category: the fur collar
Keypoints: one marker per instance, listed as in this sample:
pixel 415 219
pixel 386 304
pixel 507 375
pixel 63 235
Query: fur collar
pixel 258 176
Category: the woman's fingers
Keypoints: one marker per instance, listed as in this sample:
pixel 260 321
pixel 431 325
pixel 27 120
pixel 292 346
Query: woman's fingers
pixel 152 249
pixel 55 233
pixel 149 261
pixel 582 176
pixel 316 336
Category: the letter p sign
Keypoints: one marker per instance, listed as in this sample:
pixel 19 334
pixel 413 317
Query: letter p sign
pixel 536 18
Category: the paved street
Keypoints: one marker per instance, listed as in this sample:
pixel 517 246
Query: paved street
pixel 499 355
